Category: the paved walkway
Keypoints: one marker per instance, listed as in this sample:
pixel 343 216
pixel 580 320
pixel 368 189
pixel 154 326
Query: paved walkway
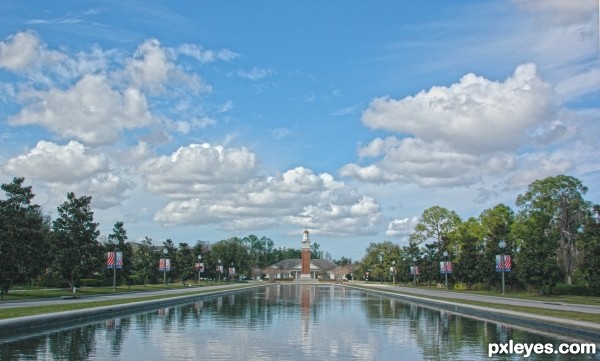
pixel 111 296
pixel 490 299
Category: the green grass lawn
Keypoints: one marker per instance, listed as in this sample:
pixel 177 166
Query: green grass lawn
pixel 570 315
pixel 24 292
pixel 38 310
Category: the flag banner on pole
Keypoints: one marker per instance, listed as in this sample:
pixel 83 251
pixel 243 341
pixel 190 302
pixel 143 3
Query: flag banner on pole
pixel 414 270
pixel 507 263
pixel 110 260
pixel 199 266
pixel 445 267
pixel 392 269
pixel 164 264
pixel 119 260
pixel 231 270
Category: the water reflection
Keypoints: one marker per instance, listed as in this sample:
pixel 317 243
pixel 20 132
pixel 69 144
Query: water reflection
pixel 279 322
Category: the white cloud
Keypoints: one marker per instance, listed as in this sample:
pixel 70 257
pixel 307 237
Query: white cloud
pixel 151 69
pixel 255 73
pixel 295 197
pixel 19 51
pixel 206 56
pixel 474 115
pixel 427 164
pixel 90 111
pixel 198 168
pixel 401 228
pixel 50 162
pixel 71 168
pixel 560 12
pixel 457 135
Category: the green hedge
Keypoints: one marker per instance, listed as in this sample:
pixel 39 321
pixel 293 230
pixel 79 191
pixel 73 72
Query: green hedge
pixel 569 290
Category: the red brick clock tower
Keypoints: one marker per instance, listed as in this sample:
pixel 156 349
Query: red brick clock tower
pixel 305 274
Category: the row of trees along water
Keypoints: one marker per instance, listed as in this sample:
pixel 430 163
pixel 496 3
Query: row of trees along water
pixel 553 240
pixel 69 251
pixel 553 237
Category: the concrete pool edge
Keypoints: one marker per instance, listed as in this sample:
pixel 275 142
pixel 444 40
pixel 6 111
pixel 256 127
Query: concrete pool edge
pixel 12 328
pixel 553 325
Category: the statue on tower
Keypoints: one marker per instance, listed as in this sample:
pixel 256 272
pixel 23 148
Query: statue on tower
pixel 305 275
pixel 305 240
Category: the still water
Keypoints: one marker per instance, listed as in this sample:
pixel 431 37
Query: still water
pixel 281 322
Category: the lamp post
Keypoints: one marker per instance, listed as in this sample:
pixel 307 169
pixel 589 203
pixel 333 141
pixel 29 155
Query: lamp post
pixel 502 245
pixel 415 270
pixel 231 275
pixel 220 269
pixel 165 252
pixel 382 266
pixel 393 272
pixel 199 267
pixel 446 268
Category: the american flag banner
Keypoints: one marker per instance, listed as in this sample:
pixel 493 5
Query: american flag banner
pixel 110 260
pixel 164 264
pixel 119 260
pixel 445 267
pixel 414 270
pixel 199 266
pixel 507 263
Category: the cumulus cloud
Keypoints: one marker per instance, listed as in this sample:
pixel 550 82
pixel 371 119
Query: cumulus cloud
pixel 401 227
pixel 90 111
pixel 51 162
pixel 455 135
pixel 151 69
pixel 94 96
pixel 473 115
pixel 19 51
pixel 218 185
pixel 71 168
pixel 197 168
pixel 427 164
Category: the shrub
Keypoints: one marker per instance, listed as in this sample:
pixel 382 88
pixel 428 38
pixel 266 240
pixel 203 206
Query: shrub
pixel 569 290
pixel 89 282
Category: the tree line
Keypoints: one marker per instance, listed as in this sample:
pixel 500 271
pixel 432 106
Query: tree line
pixel 552 238
pixel 68 251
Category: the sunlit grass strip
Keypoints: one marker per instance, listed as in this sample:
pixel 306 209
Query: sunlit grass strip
pixel 40 310
pixel 26 293
pixel 570 315
pixel 575 300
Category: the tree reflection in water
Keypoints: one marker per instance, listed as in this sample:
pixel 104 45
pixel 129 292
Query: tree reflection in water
pixel 296 321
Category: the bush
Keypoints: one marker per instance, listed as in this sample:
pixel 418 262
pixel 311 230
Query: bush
pixel 50 279
pixel 568 290
pixel 89 282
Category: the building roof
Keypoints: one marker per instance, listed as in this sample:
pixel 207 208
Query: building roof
pixel 296 264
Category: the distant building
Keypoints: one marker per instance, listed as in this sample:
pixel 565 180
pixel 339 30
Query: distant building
pixel 292 268
pixel 305 268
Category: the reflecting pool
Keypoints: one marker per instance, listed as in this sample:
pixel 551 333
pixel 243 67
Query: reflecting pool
pixel 281 322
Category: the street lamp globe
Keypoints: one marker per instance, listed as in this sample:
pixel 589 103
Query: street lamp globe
pixel 445 253
pixel 502 244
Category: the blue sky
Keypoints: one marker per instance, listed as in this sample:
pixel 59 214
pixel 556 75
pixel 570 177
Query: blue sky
pixel 206 120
